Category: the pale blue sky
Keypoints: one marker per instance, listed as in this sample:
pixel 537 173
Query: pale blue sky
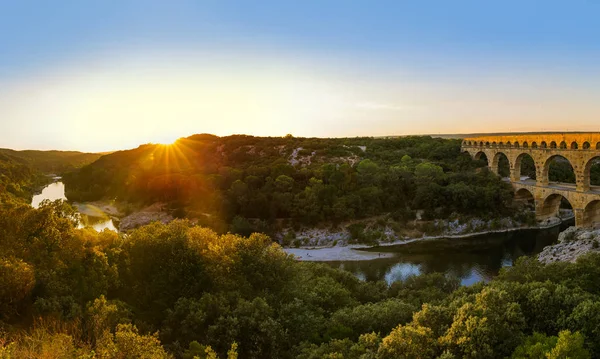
pixel 103 75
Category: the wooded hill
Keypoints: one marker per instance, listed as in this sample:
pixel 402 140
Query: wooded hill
pixel 305 180
pixel 55 162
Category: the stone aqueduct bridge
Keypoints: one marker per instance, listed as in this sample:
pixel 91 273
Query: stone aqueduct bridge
pixel 580 149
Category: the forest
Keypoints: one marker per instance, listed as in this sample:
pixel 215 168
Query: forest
pixel 53 162
pixel 184 291
pixel 239 182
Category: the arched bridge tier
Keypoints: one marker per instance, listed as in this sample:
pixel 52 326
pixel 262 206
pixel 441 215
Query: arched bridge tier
pixel 580 149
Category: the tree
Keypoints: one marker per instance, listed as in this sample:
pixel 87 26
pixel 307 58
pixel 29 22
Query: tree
pixel 489 328
pixel 408 342
pixel 128 343
pixel 569 345
pixel 17 280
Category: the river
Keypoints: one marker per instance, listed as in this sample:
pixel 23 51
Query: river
pixel 100 221
pixel 472 259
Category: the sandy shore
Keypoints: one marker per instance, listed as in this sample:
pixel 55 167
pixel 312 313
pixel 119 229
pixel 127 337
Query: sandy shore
pixel 334 254
pixel 353 252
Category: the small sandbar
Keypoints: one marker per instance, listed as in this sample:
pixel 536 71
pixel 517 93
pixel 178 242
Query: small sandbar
pixel 329 254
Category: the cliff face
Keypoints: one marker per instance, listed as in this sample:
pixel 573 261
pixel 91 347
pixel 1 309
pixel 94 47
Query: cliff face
pixel 572 243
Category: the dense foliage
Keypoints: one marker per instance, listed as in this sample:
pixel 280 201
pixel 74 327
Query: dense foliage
pixel 184 291
pixel 18 180
pixel 55 162
pixel 224 181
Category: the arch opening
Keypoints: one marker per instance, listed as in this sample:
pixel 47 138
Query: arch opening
pixel 552 144
pixel 525 167
pixel 481 157
pixel 517 144
pixel 586 145
pixel 598 146
pixel 543 144
pixel 558 169
pixel 508 144
pixel 574 145
pixel 501 164
pixel 563 145
pixel 591 172
pixel 487 144
pixel 555 205
pixel 591 214
pixel 534 145
pixel 524 199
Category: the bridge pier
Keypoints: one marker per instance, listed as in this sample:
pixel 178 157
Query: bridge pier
pixel 515 173
pixel 579 218
pixel 582 180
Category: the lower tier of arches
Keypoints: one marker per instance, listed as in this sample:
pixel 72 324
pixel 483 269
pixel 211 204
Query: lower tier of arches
pixel 548 202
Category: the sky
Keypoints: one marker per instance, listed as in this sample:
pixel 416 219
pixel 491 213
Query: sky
pixel 107 75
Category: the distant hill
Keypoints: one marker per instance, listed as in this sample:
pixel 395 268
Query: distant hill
pixel 53 161
pixel 18 180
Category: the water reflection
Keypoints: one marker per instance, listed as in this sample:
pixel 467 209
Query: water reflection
pixel 52 192
pixel 56 190
pixel 471 259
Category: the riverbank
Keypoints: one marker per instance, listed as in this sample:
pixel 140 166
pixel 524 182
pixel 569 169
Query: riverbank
pixel 98 209
pixel 572 244
pixel 361 252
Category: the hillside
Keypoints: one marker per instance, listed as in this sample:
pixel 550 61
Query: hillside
pixel 18 180
pixel 226 181
pixel 55 162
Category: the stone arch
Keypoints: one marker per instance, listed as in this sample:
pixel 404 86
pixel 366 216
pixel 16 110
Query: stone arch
pixel 550 206
pixel 598 146
pixel 481 144
pixel 574 145
pixel 534 144
pixel 487 144
pixel 543 144
pixel 518 167
pixel 586 145
pixel 525 197
pixel 494 144
pixel 545 176
pixel 552 144
pixel 497 164
pixel 523 193
pixel 500 144
pixel 508 144
pixel 591 214
pixel 517 144
pixel 563 145
pixel 587 172
pixel 480 156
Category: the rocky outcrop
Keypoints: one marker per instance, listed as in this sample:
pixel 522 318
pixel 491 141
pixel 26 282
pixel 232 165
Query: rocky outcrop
pixel 572 243
pixel 153 213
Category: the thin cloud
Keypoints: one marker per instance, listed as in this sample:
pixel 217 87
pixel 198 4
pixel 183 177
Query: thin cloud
pixel 378 106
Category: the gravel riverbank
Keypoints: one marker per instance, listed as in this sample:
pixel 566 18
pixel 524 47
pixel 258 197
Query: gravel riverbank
pixel 356 252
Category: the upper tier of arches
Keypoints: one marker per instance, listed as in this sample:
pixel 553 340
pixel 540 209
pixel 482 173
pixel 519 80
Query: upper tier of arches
pixel 543 145
pixel 551 141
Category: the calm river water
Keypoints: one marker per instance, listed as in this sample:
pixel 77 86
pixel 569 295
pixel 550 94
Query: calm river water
pixel 470 259
pixel 56 191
